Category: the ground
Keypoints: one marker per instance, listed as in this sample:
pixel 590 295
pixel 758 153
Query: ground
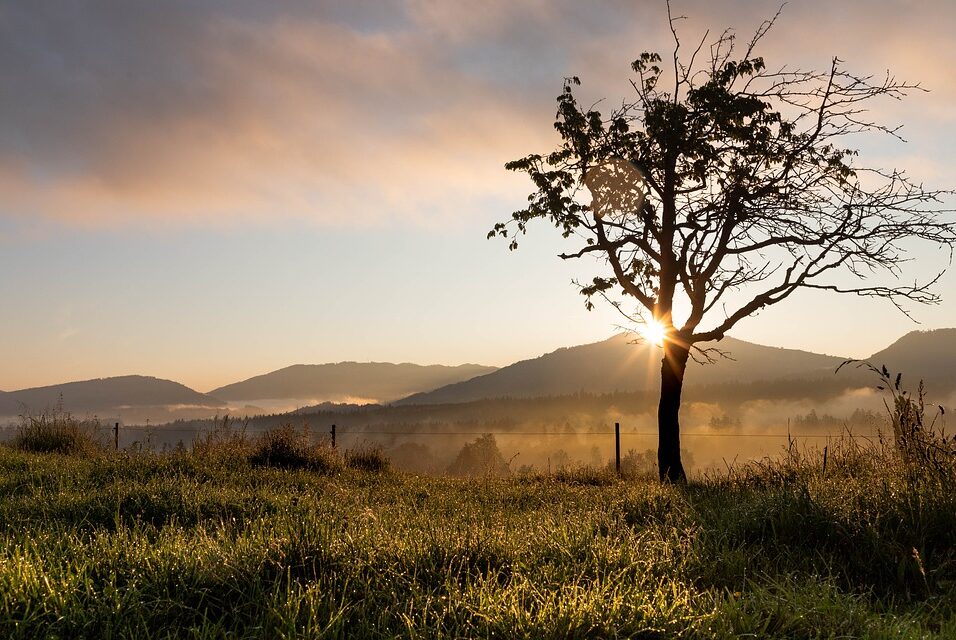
pixel 203 545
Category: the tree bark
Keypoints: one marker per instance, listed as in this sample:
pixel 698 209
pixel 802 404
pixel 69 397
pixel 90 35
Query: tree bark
pixel 673 366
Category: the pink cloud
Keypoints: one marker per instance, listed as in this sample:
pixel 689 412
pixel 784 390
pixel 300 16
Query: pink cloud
pixel 229 118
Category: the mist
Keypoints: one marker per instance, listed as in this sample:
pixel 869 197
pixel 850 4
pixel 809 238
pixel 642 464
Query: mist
pixel 548 434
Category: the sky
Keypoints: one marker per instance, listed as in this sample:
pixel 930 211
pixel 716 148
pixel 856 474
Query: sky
pixel 207 190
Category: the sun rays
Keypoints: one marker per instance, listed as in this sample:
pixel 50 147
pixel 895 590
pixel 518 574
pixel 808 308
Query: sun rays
pixel 654 332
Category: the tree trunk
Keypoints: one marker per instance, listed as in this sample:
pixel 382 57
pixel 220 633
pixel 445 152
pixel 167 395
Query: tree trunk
pixel 668 425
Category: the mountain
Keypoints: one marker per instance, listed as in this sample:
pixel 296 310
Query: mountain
pixel 927 355
pixel 602 367
pixel 104 395
pixel 617 364
pixel 371 381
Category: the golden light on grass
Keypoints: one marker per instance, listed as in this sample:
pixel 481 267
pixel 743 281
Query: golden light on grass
pixel 654 332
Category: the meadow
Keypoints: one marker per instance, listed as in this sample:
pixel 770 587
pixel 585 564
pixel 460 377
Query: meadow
pixel 268 539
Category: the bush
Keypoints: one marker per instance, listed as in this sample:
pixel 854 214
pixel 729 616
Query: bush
pixel 58 432
pixel 323 458
pixel 367 458
pixel 287 448
pixel 926 451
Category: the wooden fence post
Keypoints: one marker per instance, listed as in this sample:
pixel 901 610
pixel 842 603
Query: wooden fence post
pixel 333 436
pixel 116 437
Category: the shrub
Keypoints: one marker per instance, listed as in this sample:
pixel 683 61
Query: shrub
pixel 925 451
pixel 288 448
pixel 58 432
pixel 368 458
pixel 282 447
pixel 323 458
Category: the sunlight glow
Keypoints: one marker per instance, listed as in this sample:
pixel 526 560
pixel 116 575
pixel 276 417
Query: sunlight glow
pixel 654 332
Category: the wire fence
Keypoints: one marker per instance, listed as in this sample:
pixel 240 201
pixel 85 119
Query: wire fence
pixel 359 431
pixel 167 436
pixel 164 437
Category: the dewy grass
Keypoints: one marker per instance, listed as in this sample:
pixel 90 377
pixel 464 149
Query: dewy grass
pixel 57 431
pixel 284 447
pixel 367 458
pixel 184 546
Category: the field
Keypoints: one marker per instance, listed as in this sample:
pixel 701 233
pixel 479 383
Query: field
pixel 206 543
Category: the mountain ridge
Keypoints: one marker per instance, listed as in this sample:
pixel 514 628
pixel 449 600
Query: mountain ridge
pixel 104 394
pixel 928 354
pixel 379 381
pixel 605 366
pixel 615 365
pixel 923 354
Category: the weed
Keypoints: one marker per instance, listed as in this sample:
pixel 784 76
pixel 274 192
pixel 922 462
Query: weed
pixel 924 449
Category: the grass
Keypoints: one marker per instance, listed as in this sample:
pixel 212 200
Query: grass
pixel 57 431
pixel 204 544
pixel 367 458
pixel 288 448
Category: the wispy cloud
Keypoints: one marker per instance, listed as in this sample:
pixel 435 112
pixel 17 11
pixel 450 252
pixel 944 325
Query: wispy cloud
pixel 199 112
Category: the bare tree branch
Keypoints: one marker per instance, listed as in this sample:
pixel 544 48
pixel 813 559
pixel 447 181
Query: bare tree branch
pixel 745 186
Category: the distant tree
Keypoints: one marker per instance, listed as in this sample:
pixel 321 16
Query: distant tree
pixel 480 457
pixel 415 457
pixel 729 189
pixel 724 421
pixel 559 460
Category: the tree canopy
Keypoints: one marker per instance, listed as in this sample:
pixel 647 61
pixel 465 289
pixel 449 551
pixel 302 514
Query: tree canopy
pixel 736 177
pixel 725 186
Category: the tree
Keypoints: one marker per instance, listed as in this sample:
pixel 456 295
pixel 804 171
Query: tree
pixel 728 191
pixel 481 457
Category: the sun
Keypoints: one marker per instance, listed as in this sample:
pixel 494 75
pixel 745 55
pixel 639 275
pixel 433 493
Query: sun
pixel 654 332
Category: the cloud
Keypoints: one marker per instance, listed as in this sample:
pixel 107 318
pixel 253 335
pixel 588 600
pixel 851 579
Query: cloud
pixel 358 114
pixel 239 117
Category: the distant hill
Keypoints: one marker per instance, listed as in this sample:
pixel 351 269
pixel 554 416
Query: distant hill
pixel 376 381
pixel 618 365
pixel 930 355
pixel 613 365
pixel 104 395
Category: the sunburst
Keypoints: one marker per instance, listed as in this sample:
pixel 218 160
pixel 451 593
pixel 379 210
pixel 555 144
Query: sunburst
pixel 654 332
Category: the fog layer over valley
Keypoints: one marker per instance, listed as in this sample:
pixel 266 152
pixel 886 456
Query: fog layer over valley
pixel 720 424
pixel 142 399
pixel 550 412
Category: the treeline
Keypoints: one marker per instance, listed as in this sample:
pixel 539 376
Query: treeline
pixel 497 413
pixel 574 411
